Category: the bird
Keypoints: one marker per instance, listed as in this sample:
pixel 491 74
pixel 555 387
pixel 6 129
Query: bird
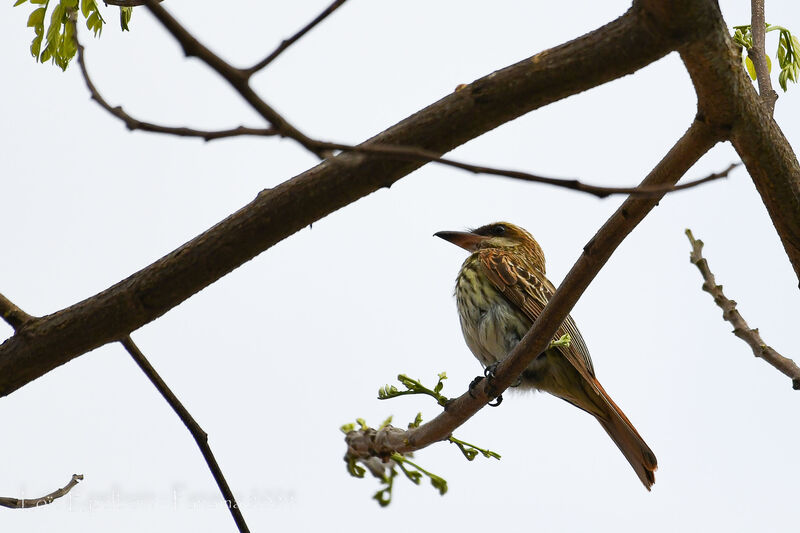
pixel 500 291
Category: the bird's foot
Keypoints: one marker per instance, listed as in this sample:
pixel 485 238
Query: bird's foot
pixel 488 373
pixel 473 384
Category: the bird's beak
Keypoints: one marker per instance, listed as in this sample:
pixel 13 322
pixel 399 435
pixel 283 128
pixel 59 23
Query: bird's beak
pixel 467 241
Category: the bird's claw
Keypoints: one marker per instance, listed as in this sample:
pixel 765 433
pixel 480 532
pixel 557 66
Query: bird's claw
pixel 473 384
pixel 497 401
pixel 488 373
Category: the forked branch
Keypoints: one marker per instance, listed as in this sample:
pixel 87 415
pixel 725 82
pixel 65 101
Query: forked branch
pixel 13 315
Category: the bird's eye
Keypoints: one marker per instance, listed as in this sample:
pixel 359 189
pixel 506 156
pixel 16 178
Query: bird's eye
pixel 498 230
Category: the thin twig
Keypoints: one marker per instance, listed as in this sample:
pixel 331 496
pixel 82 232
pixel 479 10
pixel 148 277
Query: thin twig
pixel 731 314
pixel 135 124
pixel 236 77
pixel 13 315
pixel 286 43
pixel 418 154
pixel 126 3
pixel 400 152
pixel 757 54
pixel 25 503
pixel 200 436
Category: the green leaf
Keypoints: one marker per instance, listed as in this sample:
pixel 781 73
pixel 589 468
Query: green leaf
pixel 19 2
pixel 38 1
pixel 55 22
pixel 93 23
pixel 782 79
pixel 781 55
pixel 440 484
pixel 751 69
pixel 36 18
pixel 125 17
pixel 383 497
pixel 36 46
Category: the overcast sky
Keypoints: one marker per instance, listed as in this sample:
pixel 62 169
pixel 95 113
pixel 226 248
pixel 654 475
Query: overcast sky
pixel 274 357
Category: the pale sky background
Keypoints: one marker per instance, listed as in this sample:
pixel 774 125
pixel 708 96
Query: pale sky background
pixel 273 358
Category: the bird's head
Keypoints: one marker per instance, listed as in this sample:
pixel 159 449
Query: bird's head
pixel 498 236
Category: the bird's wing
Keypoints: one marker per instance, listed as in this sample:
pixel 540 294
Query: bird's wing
pixel 530 293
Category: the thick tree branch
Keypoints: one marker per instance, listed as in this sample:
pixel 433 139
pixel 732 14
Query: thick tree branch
pixel 193 47
pixel 25 503
pixel 758 55
pixel 617 49
pixel 731 314
pixel 727 100
pixel 408 153
pixel 695 142
pixel 13 315
pixel 200 436
pixel 286 43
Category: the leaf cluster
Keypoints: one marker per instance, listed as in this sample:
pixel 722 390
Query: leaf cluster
pixel 389 469
pixel 787 53
pixel 59 40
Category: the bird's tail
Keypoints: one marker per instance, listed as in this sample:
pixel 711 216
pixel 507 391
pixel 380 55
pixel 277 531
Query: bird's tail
pixel 627 439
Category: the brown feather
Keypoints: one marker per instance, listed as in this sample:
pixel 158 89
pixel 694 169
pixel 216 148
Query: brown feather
pixel 526 287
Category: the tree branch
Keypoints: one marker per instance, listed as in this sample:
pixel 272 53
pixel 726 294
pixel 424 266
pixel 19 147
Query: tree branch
pixel 13 315
pixel 695 142
pixel 200 436
pixel 286 43
pixel 757 54
pixel 135 124
pixel 617 49
pixel 126 3
pixel 731 314
pixel 402 152
pixel 24 503
pixel 236 77
pixel 425 156
pixel 727 100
